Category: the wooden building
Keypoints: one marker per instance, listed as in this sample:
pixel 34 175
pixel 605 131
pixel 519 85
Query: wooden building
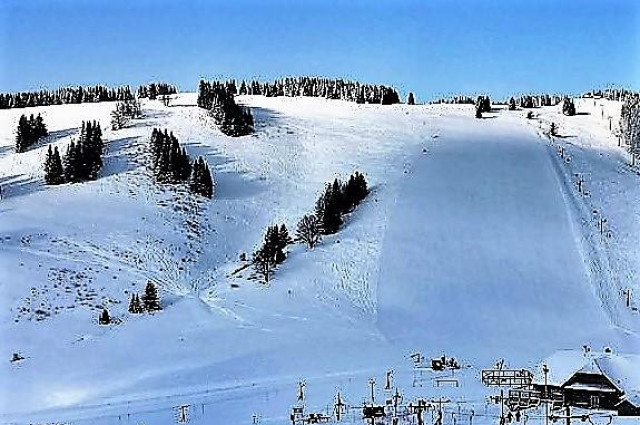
pixel 601 382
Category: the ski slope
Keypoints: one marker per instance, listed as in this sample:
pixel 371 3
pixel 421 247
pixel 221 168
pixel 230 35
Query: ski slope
pixel 472 243
pixel 493 237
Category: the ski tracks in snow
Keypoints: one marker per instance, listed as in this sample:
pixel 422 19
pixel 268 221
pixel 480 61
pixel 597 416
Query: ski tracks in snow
pixel 592 243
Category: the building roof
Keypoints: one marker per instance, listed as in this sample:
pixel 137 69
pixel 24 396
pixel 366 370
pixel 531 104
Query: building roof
pixel 623 370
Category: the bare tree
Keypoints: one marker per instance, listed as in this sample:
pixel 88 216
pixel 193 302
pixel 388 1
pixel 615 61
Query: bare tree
pixel 309 230
pixel 118 119
pixel 166 99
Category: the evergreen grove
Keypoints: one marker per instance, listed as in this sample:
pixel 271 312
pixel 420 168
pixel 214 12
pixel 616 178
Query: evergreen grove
pixel 83 159
pixel 218 97
pixel 64 95
pixel 153 90
pixel 327 88
pixel 148 302
pixel 171 164
pixel 29 132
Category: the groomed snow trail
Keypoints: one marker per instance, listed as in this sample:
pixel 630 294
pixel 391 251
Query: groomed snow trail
pixel 489 265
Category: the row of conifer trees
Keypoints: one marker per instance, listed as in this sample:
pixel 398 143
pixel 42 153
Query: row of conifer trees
pixel 29 132
pixel 153 90
pixel 536 101
pixel 171 164
pixel 525 101
pixel 337 199
pixel 327 88
pixel 79 94
pixel 617 94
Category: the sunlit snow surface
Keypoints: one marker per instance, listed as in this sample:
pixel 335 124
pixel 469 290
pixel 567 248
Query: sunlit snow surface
pixel 473 243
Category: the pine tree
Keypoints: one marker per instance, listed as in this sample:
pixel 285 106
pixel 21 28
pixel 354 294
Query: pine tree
pixel 104 317
pixel 272 251
pixel 207 182
pixel 150 299
pixel 135 307
pixel 410 99
pixel 273 245
pixel 512 104
pixel 71 162
pixel 118 118
pixel 23 134
pixel 337 190
pixel 40 128
pixel 153 91
pixel 361 189
pixel 284 236
pixel 486 104
pixel 264 262
pixel 53 171
pixel 568 107
pixel 328 210
pixel 201 181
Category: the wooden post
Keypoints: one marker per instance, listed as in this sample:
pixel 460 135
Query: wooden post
pixel 545 370
pixel 627 294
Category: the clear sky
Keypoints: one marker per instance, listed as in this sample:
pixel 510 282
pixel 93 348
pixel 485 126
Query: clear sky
pixel 432 47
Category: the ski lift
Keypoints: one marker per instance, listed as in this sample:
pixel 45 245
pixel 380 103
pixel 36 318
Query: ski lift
pixel 373 411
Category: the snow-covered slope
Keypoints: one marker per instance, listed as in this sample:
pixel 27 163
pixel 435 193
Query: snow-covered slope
pixel 472 243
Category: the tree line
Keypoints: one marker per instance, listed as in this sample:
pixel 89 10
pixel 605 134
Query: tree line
pixel 327 88
pixel 171 164
pixel 536 101
pixel 153 90
pixel 524 101
pixel 334 202
pixel 64 95
pixel 454 100
pixel 218 97
pixel 29 132
pixel 617 94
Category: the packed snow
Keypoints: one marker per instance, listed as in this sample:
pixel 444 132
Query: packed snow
pixel 474 243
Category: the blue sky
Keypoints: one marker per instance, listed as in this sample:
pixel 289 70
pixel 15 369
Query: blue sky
pixel 431 47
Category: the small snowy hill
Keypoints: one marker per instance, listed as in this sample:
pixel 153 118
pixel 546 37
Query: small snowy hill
pixel 474 242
